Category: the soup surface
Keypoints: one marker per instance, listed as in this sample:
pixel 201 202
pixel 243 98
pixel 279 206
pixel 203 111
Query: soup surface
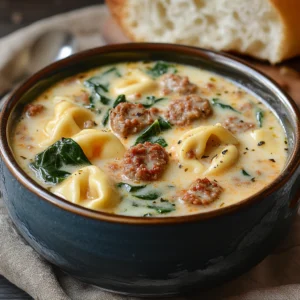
pixel 150 139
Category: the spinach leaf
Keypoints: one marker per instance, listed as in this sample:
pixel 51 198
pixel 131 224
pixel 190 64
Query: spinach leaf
pixel 216 102
pixel 151 100
pixel 113 69
pixel 147 196
pixel 245 173
pixel 147 215
pixel 164 207
pixel 101 87
pixel 259 117
pixel 106 117
pixel 153 130
pixel 120 99
pixel 92 108
pixel 104 100
pixel 151 133
pixel 94 83
pixel 158 140
pixel 130 188
pixel 161 68
pixel 96 95
pixel 97 88
pixel 48 165
pixel 161 206
pixel 164 124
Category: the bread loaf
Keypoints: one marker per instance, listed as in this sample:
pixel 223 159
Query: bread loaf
pixel 265 29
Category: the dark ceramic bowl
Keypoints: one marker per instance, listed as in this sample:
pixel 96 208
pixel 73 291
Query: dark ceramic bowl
pixel 148 256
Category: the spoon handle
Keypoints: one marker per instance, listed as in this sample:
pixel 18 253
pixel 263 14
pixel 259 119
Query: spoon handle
pixel 2 95
pixel 3 98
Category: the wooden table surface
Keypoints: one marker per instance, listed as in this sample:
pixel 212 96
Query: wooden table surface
pixel 15 14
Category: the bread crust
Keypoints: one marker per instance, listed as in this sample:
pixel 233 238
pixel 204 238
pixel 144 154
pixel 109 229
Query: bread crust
pixel 117 9
pixel 288 11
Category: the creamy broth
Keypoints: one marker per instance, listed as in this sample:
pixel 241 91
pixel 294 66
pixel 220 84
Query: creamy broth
pixel 206 128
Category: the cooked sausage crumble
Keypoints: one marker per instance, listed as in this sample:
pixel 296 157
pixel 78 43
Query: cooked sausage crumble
pixel 202 192
pixel 145 162
pixel 129 118
pixel 33 109
pixel 175 83
pixel 236 125
pixel 183 111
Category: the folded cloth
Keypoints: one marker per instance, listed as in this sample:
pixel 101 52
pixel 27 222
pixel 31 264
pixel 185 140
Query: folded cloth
pixel 276 278
pixel 86 24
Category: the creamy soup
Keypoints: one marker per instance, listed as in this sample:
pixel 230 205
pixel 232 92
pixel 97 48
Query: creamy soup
pixel 150 139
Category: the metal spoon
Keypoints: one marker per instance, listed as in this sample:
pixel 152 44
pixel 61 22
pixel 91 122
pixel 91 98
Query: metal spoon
pixel 48 47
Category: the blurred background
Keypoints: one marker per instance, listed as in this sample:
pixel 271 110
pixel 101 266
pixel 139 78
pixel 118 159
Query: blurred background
pixel 15 14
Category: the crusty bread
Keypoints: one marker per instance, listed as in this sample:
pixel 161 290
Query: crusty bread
pixel 266 29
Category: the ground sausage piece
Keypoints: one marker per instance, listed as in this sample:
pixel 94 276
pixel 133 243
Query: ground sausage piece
pixel 202 192
pixel 34 109
pixel 145 162
pixel 129 118
pixel 89 124
pixel 186 109
pixel 175 83
pixel 236 125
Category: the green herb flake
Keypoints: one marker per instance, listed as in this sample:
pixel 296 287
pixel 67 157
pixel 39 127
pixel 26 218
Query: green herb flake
pixel 261 143
pixel 130 188
pixel 216 102
pixel 259 117
pixel 49 164
pixel 245 173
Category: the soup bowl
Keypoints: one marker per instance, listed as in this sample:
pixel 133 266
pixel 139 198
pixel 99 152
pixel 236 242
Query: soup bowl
pixel 152 256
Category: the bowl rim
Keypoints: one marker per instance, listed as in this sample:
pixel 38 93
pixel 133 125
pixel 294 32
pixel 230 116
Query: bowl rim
pixel 29 184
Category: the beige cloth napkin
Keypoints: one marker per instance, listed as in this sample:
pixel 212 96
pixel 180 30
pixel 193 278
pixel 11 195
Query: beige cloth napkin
pixel 276 278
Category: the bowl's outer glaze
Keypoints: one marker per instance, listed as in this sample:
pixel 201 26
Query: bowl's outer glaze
pixel 155 258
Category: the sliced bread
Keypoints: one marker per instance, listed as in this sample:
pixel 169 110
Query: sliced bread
pixel 265 29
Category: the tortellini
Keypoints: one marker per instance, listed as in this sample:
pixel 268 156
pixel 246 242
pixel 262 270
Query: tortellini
pixel 68 120
pixel 89 187
pixel 99 144
pixel 135 82
pixel 194 144
pixel 265 139
pixel 223 160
